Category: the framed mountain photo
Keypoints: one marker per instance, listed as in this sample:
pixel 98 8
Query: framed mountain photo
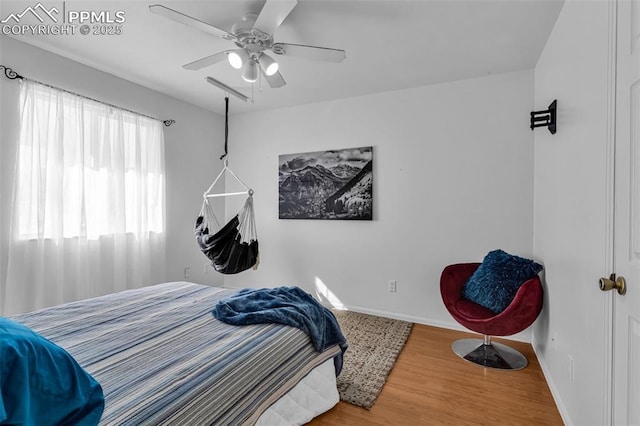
pixel 335 184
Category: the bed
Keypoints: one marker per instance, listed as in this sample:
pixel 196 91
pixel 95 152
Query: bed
pixel 162 358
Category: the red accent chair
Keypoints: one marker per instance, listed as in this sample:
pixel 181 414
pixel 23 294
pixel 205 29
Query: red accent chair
pixel 520 314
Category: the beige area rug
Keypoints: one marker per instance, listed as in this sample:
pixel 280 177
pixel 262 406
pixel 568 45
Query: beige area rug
pixel 374 344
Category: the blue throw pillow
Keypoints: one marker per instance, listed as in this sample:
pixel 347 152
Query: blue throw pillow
pixel 41 383
pixel 497 280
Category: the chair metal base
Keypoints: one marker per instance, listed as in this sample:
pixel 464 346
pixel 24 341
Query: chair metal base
pixel 489 354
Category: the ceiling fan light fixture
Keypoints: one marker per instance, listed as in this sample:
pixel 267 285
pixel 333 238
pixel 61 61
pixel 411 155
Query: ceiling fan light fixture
pixel 268 65
pixel 237 58
pixel 250 72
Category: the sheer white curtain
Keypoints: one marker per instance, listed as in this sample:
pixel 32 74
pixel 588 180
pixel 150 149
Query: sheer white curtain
pixel 88 204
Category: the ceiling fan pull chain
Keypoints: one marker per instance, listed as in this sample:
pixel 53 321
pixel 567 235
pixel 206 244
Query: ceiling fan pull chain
pixel 226 126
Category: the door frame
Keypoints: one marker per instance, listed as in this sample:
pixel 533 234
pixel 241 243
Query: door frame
pixel 609 261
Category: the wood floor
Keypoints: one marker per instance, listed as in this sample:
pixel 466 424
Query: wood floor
pixel 430 385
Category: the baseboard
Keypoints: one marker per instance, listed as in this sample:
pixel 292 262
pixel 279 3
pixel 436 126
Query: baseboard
pixel 402 317
pixel 519 337
pixel 552 387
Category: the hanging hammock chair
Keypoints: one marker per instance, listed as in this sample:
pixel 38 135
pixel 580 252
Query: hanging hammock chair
pixel 232 248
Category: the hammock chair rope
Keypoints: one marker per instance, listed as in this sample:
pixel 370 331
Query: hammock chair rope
pixel 246 219
pixel 226 127
pixel 209 216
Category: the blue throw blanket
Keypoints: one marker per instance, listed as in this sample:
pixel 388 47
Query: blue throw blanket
pixel 41 383
pixel 285 305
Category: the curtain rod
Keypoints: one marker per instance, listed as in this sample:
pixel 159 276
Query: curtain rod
pixel 12 75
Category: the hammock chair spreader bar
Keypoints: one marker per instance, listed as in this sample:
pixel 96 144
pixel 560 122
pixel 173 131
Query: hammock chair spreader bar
pixel 227 194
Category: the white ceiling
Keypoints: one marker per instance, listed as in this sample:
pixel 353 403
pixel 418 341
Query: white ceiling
pixel 390 45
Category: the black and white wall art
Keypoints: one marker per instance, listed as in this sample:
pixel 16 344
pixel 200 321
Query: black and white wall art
pixel 335 184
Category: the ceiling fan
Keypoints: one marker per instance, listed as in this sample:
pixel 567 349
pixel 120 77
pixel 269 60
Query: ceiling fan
pixel 253 38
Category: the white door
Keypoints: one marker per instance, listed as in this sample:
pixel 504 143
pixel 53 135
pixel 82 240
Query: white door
pixel 626 353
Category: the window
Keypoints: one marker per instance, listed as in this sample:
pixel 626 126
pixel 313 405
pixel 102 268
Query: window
pixel 86 169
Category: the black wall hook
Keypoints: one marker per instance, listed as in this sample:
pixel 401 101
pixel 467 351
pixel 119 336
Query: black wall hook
pixel 546 118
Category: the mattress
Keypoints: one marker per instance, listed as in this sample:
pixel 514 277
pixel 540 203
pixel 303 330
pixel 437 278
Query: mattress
pixel 161 358
pixel 316 393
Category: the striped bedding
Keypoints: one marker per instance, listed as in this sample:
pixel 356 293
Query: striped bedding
pixel 162 358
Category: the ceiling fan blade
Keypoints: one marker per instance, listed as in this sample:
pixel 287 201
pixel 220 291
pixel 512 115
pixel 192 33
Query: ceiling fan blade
pixel 227 89
pixel 206 61
pixel 273 13
pixel 174 15
pixel 276 80
pixel 309 52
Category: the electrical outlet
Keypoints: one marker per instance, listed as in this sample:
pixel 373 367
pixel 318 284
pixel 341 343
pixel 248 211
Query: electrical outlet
pixel 393 286
pixel 187 272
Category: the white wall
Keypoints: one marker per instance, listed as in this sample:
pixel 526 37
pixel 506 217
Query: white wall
pixel 453 179
pixel 193 145
pixel 453 170
pixel 571 207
